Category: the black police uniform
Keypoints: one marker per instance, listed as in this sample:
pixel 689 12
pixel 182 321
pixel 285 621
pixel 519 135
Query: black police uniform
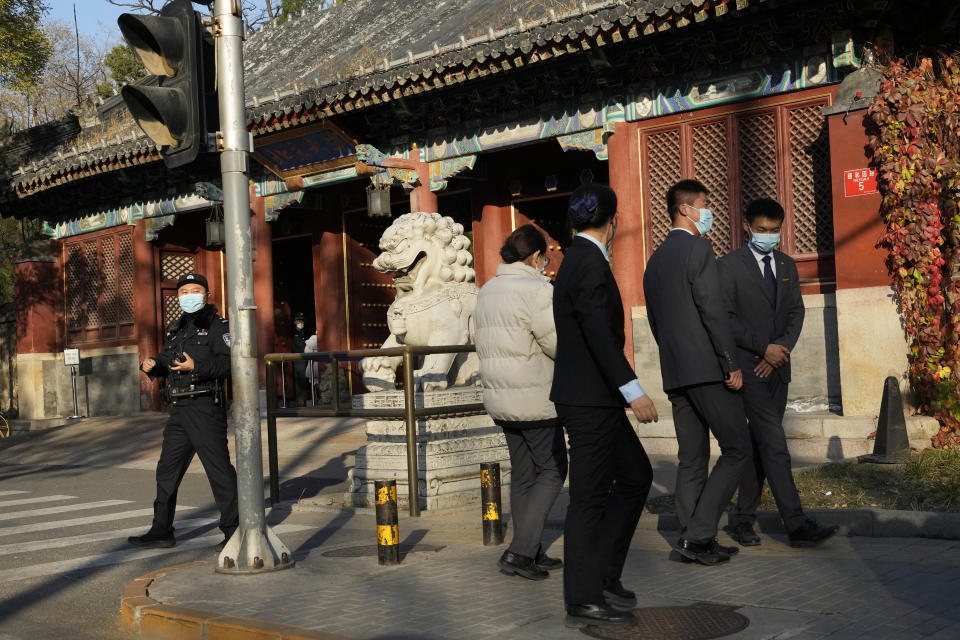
pixel 198 417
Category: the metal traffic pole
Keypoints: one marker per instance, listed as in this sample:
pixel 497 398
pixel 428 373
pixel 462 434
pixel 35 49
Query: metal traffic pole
pixel 254 547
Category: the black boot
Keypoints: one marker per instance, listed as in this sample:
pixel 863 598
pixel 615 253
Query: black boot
pixel 153 540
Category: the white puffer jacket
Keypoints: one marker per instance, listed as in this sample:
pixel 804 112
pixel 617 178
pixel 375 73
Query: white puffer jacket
pixel 516 344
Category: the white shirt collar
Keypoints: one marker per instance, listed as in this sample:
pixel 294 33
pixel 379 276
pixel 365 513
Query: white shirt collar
pixel 596 242
pixel 681 229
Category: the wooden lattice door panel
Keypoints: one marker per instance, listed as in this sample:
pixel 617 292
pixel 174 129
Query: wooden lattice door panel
pixel 98 274
pixel 758 157
pixel 778 151
pixel 171 307
pixel 125 282
pixel 173 264
pixel 710 151
pixel 811 204
pixel 662 167
pixel 370 292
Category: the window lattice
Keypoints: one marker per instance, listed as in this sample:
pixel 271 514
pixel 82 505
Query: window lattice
pixel 758 157
pixel 125 284
pixel 108 278
pixel 810 159
pixel 76 272
pixel 171 308
pixel 663 170
pixel 710 168
pixel 92 284
pixel 174 265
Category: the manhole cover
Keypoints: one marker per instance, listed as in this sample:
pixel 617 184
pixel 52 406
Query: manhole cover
pixel 371 550
pixel 674 623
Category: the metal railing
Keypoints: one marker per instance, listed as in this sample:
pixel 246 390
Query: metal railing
pixel 410 412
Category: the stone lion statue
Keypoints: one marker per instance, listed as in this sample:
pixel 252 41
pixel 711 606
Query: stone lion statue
pixel 432 271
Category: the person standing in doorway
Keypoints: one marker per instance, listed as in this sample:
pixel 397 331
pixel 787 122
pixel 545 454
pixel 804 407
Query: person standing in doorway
pixel 516 345
pixel 299 339
pixel 690 322
pixel 610 474
pixel 766 312
pixel 195 359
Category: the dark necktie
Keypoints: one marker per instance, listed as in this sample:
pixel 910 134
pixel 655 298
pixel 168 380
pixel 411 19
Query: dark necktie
pixel 770 279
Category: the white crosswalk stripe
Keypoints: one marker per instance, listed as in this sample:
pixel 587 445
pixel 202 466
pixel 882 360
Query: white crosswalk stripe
pixel 19 501
pixel 117 557
pixel 49 511
pixel 79 522
pixel 18 540
pixel 99 536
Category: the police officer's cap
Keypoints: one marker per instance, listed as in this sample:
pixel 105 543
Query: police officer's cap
pixel 298 315
pixel 193 278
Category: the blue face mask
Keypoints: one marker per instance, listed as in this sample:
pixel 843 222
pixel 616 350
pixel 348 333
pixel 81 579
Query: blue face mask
pixel 764 242
pixel 705 223
pixel 191 302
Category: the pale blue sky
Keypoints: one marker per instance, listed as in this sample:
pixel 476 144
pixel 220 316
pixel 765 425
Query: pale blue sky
pixel 96 18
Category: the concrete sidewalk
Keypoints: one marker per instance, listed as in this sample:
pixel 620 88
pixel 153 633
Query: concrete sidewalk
pixel 449 588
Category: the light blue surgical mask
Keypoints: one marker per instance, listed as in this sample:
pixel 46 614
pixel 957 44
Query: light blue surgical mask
pixel 191 302
pixel 705 223
pixel 764 242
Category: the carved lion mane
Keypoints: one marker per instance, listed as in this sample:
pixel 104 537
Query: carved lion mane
pixel 400 244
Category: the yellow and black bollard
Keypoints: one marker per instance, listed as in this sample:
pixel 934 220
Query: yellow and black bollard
pixel 490 495
pixel 388 534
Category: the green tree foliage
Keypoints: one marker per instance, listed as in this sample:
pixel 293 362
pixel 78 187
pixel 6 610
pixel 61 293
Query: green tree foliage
pixel 124 67
pixel 24 47
pixel 292 8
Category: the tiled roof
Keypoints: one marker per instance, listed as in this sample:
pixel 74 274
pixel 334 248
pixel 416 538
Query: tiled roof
pixel 366 52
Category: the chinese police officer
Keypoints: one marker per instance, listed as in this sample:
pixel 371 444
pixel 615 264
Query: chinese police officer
pixel 195 360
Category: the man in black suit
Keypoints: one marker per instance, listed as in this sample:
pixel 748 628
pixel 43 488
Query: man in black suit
pixel 610 474
pixel 766 312
pixel 690 323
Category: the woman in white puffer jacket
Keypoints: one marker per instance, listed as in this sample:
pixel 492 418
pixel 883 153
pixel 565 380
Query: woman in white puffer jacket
pixel 516 344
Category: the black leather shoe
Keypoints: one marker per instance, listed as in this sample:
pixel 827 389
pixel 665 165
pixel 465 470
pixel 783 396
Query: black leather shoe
pixel 547 563
pixel 717 548
pixel 707 553
pixel 516 565
pixel 811 533
pixel 617 596
pixel 153 540
pixel 579 615
pixel 744 534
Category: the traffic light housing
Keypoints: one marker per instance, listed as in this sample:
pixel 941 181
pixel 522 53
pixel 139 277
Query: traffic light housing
pixel 181 110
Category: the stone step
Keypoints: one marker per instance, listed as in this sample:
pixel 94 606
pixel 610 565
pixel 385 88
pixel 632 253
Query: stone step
pixel 823 436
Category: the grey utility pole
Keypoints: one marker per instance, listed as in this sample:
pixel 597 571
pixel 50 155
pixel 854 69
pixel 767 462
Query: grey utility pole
pixel 254 547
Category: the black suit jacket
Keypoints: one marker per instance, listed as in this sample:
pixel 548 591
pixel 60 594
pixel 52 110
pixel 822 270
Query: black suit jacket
pixel 590 366
pixel 687 312
pixel 756 320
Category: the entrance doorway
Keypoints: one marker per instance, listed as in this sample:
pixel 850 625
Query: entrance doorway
pixel 292 294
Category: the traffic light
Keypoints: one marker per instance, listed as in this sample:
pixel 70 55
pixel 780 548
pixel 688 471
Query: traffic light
pixel 179 111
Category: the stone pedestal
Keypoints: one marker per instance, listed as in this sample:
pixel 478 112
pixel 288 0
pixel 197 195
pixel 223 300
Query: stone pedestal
pixel 450 449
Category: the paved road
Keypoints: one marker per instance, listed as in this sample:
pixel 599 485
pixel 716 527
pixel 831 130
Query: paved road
pixel 69 497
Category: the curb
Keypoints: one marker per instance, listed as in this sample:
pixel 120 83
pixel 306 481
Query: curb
pixel 144 617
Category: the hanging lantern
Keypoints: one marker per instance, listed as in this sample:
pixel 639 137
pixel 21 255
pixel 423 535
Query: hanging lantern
pixel 214 226
pixel 378 196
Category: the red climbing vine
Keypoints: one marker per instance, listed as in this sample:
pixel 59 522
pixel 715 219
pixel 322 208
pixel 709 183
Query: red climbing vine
pixel 915 142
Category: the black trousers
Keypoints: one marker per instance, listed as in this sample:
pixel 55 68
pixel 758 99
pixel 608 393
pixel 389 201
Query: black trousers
pixel 538 467
pixel 301 385
pixel 765 403
pixel 701 498
pixel 610 477
pixel 196 425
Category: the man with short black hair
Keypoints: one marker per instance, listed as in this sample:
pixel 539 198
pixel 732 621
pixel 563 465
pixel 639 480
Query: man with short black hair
pixel 762 286
pixel 691 325
pixel 196 361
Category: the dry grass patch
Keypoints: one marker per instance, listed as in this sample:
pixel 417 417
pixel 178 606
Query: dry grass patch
pixel 927 481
